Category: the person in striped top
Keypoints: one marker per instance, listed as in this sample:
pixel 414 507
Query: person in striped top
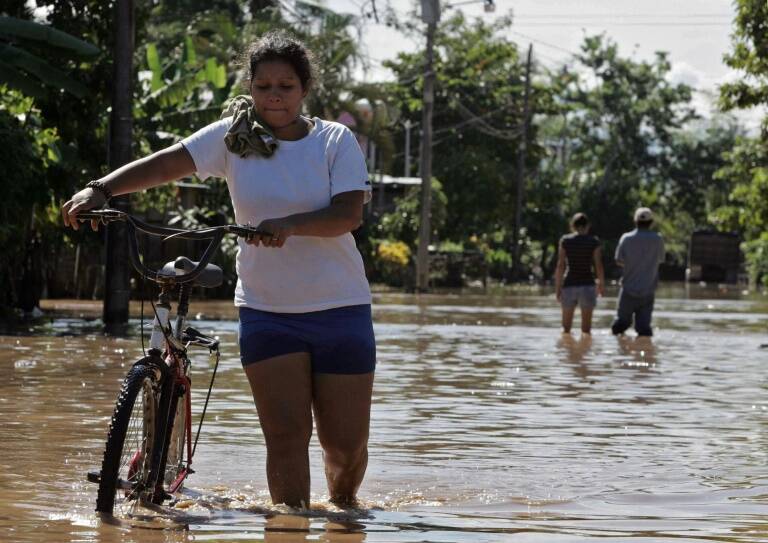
pixel 575 283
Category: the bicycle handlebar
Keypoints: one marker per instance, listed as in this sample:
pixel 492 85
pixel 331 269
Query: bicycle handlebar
pixel 214 233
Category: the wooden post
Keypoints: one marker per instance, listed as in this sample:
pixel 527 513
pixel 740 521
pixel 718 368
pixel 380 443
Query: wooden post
pixel 407 162
pixel 520 177
pixel 117 287
pixel 430 15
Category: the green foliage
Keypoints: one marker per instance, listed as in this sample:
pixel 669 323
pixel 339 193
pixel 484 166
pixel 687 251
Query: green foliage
pixel 621 117
pixel 697 154
pixel 449 246
pixel 186 75
pixel 21 67
pixel 691 192
pixel 750 43
pixel 478 105
pixel 23 159
pixel 27 151
pixel 327 34
pixel 402 224
pixel 746 170
pixel 499 262
pixel 81 122
pixel 756 256
pixel 609 132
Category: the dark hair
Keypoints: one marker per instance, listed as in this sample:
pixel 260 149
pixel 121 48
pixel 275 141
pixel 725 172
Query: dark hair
pixel 278 45
pixel 579 220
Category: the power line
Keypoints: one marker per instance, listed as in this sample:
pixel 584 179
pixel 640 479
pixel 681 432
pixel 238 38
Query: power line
pixel 541 42
pixel 622 15
pixel 587 23
pixel 485 127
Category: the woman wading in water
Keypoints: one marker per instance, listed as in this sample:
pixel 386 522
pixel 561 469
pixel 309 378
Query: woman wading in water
pixel 306 336
pixel 575 283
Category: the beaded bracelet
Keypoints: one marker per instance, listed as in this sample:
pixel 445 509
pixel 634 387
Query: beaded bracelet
pixel 101 187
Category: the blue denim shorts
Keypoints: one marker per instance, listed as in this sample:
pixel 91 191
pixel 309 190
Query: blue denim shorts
pixel 338 340
pixel 585 296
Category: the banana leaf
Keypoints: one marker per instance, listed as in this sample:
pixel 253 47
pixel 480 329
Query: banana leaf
pixel 11 26
pixel 153 61
pixel 46 73
pixel 20 81
pixel 175 93
pixel 189 53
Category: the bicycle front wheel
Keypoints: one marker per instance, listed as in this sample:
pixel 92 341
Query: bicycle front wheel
pixel 128 454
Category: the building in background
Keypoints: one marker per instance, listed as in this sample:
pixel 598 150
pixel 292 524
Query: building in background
pixel 714 257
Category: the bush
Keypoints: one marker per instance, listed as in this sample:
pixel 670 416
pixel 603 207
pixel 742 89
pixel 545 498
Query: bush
pixel 499 262
pixel 27 208
pixel 403 222
pixel 392 262
pixel 756 256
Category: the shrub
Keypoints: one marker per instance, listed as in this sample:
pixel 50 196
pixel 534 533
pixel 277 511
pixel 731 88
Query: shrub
pixel 27 208
pixel 756 256
pixel 392 261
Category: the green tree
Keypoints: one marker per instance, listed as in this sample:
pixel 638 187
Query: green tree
pixel 22 68
pixel 746 210
pixel 622 116
pixel 746 170
pixel 478 112
pixel 691 191
pixel 51 65
pixel 748 56
pixel 27 151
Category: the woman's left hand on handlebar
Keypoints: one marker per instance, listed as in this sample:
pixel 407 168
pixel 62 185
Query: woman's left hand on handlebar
pixel 279 230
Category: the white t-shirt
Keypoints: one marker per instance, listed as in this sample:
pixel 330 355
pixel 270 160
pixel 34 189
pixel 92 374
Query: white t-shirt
pixel 308 273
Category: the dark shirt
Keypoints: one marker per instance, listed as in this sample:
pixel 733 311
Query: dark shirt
pixel 579 251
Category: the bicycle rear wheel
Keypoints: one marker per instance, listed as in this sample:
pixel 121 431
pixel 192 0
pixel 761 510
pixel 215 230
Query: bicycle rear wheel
pixel 128 454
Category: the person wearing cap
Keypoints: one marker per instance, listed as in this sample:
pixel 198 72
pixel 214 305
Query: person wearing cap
pixel 639 253
pixel 575 281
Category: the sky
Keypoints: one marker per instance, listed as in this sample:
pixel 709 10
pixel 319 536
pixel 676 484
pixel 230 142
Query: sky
pixel 695 33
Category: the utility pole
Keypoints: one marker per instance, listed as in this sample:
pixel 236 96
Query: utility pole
pixel 117 286
pixel 520 177
pixel 430 14
pixel 407 166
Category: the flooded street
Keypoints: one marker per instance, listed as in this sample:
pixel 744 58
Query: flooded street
pixel 488 425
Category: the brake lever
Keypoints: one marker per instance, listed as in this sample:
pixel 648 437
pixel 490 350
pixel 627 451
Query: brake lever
pixel 103 215
pixel 247 232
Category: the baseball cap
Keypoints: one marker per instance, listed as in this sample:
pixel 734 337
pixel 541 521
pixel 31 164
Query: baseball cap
pixel 643 214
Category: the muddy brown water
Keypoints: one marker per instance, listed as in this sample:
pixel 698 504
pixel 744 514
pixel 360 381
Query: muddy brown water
pixel 488 425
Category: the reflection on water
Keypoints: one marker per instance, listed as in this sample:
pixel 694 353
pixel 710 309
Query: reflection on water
pixel 488 425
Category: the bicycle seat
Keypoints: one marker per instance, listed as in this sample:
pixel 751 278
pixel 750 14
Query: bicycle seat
pixel 212 276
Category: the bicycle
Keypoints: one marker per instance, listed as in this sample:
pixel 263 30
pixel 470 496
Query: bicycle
pixel 149 449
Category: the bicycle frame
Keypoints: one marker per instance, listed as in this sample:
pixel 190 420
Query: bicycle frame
pixel 170 343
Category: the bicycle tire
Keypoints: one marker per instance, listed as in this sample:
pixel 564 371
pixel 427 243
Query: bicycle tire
pixel 126 466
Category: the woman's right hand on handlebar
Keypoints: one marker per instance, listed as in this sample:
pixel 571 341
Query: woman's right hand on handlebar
pixel 82 201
